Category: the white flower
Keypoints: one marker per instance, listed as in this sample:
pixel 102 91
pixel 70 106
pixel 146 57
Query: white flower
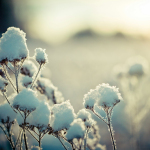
pixel 13 45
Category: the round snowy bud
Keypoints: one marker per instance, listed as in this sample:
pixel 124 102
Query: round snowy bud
pixel 13 45
pixel 26 101
pixel 3 84
pixel 41 56
pixel 108 96
pixel 28 68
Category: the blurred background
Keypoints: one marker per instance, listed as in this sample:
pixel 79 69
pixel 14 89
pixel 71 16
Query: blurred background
pixel 90 42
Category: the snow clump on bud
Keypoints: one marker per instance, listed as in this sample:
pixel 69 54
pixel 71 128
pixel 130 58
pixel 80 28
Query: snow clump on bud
pixel 62 116
pixel 90 99
pixel 7 114
pixel 83 114
pixel 108 96
pixel 26 101
pixel 26 81
pixel 76 130
pixel 40 118
pixel 13 45
pixel 28 68
pixel 41 56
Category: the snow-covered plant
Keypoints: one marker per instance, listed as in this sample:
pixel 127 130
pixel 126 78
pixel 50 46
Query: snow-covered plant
pixel 105 97
pixel 29 107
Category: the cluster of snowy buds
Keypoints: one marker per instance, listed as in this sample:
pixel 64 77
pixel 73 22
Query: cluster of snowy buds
pixel 40 116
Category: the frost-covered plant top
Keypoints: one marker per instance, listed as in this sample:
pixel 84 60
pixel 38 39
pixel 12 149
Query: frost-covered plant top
pixel 13 45
pixel 3 84
pixel 108 96
pixel 62 116
pixel 26 101
pixel 40 118
pixel 41 56
pixel 76 130
pixel 7 116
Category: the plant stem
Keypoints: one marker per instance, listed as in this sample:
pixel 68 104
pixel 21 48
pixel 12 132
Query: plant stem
pixel 40 140
pixel 25 140
pixel 36 76
pixel 62 143
pixel 7 76
pixel 86 134
pixel 9 102
pixel 16 76
pixel 111 132
pixel 32 135
pixel 20 133
pixel 99 117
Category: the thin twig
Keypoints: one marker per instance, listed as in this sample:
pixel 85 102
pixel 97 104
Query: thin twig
pixel 111 133
pixel 32 134
pixel 99 117
pixel 4 133
pixel 36 76
pixel 7 76
pixel 20 133
pixel 9 68
pixel 61 142
pixel 9 102
pixel 21 140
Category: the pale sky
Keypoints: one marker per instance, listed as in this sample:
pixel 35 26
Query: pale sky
pixel 57 20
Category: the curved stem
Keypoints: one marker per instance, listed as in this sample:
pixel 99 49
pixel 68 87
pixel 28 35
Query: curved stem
pixel 111 132
pixel 32 135
pixel 20 133
pixel 25 140
pixel 36 76
pixel 16 76
pixel 9 102
pixel 62 143
pixel 7 76
pixel 99 116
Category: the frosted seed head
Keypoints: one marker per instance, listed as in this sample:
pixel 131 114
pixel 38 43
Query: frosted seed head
pixel 3 84
pixel 83 114
pixel 13 45
pixel 26 101
pixel 28 68
pixel 89 123
pixel 137 66
pixel 76 130
pixel 7 114
pixel 41 56
pixel 40 118
pixel 108 96
pixel 62 115
pixel 26 81
pixel 89 99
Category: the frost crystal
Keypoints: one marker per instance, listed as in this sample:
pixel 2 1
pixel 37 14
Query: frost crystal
pixel 62 116
pixel 41 56
pixel 26 100
pixel 28 68
pixel 3 84
pixel 7 114
pixel 76 130
pixel 90 99
pixel 108 96
pixel 40 118
pixel 13 45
